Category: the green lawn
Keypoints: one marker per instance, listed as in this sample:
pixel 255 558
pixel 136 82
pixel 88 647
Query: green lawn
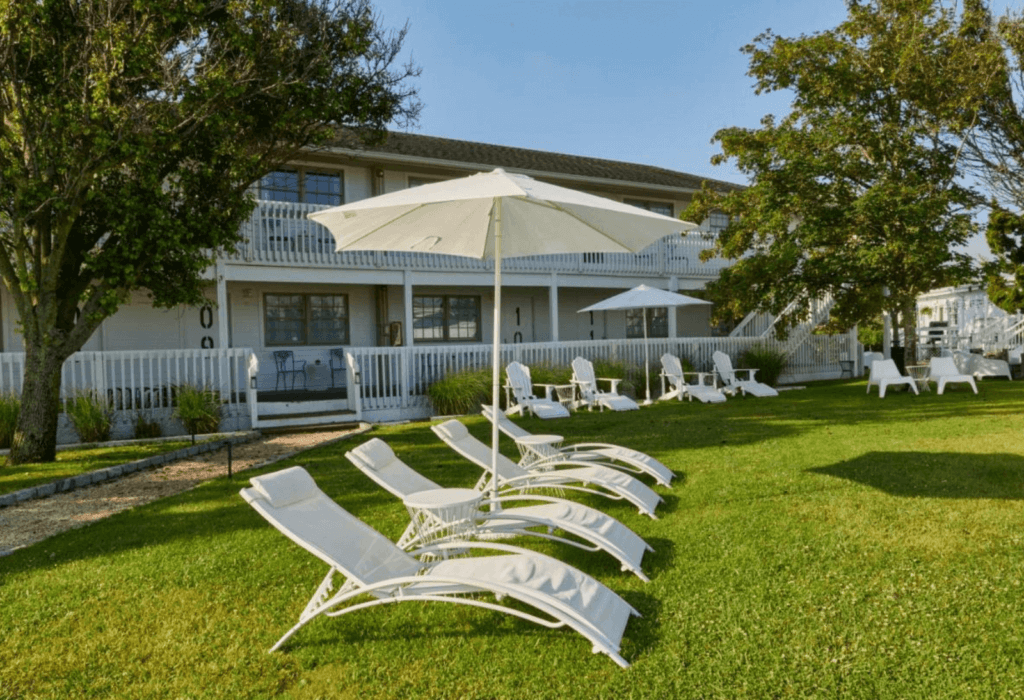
pixel 820 544
pixel 79 461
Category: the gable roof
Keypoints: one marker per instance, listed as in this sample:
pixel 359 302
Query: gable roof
pixel 439 150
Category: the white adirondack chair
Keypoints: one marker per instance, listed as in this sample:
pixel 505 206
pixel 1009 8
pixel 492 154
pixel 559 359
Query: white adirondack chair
pixel 672 370
pixel 733 383
pixel 520 385
pixel 586 382
pixel 884 373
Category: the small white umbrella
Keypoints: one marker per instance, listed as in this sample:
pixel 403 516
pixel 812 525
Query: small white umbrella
pixel 644 297
pixel 491 216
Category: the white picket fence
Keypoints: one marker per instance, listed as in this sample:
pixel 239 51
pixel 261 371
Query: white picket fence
pixel 148 380
pixel 395 380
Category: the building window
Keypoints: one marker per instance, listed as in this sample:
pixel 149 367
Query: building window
pixel 664 208
pixel 657 323
pixel 306 319
pixel 717 221
pixel 306 186
pixel 444 318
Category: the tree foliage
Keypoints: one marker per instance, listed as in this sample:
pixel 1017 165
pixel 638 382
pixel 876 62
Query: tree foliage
pixel 130 133
pixel 854 193
pixel 1004 274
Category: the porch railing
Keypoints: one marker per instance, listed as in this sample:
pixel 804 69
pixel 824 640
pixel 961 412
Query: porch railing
pixel 148 380
pixel 279 233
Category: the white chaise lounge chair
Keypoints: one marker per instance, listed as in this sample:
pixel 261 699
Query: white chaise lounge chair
pixel 569 476
pixel 598 531
pixel 978 365
pixel 943 371
pixel 371 564
pixel 586 383
pixel 521 387
pixel 884 373
pixel 733 384
pixel 545 454
pixel 672 370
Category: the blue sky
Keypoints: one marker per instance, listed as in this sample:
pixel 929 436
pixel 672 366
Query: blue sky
pixel 643 81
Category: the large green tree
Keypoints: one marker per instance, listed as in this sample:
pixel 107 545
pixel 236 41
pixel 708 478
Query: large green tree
pixel 130 133
pixel 854 193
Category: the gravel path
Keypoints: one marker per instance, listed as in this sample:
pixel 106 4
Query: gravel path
pixel 32 521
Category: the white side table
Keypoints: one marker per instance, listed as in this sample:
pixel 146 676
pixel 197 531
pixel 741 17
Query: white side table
pixel 443 514
pixel 536 448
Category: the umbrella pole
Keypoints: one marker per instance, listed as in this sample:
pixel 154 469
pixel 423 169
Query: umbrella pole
pixel 496 353
pixel 647 362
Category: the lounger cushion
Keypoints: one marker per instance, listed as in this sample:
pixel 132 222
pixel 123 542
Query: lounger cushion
pixel 377 454
pixel 285 487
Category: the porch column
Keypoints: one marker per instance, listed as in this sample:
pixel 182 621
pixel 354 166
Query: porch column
pixel 553 306
pixel 672 312
pixel 222 308
pixel 407 303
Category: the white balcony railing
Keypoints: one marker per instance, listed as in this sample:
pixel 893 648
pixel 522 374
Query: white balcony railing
pixel 279 233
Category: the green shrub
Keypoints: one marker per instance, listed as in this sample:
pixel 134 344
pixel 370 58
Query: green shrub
pixel 461 392
pixel 768 362
pixel 10 409
pixel 146 427
pixel 91 416
pixel 546 374
pixel 198 409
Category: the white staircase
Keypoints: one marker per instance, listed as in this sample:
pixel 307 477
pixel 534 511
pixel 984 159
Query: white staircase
pixel 762 325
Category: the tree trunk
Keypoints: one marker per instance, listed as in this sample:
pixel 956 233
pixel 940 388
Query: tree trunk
pixel 908 316
pixel 35 439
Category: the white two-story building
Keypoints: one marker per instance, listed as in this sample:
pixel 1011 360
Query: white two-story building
pixel 285 309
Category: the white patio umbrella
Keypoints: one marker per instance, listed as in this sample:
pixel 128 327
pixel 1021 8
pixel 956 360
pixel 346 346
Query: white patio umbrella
pixel 644 297
pixel 491 216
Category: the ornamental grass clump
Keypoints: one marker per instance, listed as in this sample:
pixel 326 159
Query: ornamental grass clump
pixel 768 362
pixel 461 392
pixel 91 416
pixel 199 409
pixel 10 409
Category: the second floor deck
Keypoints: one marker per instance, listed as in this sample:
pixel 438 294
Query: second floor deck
pixel 279 233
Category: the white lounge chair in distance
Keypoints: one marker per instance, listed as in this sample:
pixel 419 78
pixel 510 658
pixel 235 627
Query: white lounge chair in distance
pixel 943 371
pixel 598 531
pixel 733 383
pixel 520 385
pixel 672 370
pixel 292 502
pixel 544 455
pixel 978 365
pixel 569 476
pixel 884 373
pixel 586 382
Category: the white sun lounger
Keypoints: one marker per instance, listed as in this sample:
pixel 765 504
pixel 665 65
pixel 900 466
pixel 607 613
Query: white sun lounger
pixel 521 386
pixel 672 370
pixel 733 384
pixel 544 455
pixel 599 532
pixel 569 476
pixel 371 564
pixel 884 373
pixel 943 371
pixel 584 379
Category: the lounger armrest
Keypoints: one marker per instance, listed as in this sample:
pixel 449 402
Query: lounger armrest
pixel 462 545
pixel 750 374
pixel 613 383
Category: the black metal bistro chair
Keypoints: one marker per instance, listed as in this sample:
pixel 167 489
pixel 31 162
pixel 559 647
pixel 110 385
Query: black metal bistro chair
pixel 286 365
pixel 337 363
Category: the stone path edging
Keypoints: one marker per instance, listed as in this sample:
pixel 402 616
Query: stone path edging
pixel 88 478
